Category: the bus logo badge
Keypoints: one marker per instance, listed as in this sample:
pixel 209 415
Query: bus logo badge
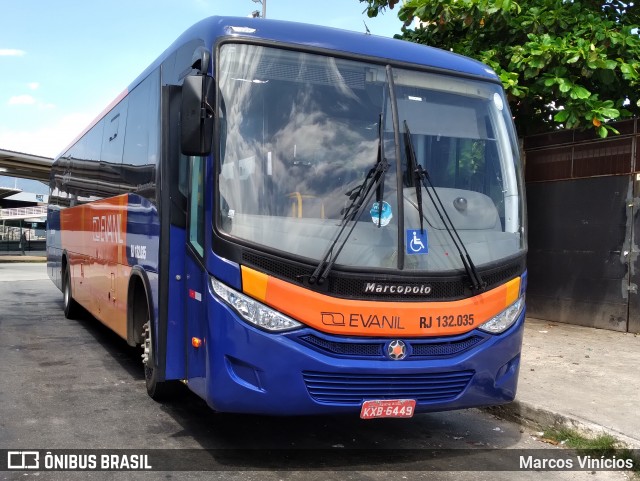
pixel 332 319
pixel 397 350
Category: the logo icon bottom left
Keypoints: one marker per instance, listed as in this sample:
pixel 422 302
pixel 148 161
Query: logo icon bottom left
pixel 23 460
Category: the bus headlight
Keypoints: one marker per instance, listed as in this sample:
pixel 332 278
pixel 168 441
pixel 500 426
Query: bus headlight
pixel 253 311
pixel 505 319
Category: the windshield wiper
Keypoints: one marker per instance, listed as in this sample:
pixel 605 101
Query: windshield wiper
pixel 413 166
pixel 421 176
pixel 378 170
pixel 358 197
pixel 383 160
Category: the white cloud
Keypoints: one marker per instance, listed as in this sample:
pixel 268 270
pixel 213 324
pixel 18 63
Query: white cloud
pixel 29 100
pixel 11 52
pixel 33 85
pixel 22 100
pixel 47 141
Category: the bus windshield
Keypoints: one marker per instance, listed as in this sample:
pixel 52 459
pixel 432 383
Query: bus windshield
pixel 300 132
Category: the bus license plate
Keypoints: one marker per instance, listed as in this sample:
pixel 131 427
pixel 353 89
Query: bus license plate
pixel 388 408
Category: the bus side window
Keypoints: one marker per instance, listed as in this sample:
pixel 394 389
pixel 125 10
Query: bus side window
pixel 196 204
pixel 141 140
pixel 115 124
pixel 183 175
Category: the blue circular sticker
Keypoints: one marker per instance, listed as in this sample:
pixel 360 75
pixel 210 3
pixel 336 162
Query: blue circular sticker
pixel 378 218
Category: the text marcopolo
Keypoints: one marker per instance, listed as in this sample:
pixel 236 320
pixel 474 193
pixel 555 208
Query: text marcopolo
pixel 405 289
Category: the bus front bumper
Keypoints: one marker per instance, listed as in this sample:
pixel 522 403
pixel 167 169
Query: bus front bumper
pixel 252 371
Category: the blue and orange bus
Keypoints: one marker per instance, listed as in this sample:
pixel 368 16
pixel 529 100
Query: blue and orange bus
pixel 292 219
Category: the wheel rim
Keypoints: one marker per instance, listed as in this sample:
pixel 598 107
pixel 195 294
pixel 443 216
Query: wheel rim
pixel 147 349
pixel 67 294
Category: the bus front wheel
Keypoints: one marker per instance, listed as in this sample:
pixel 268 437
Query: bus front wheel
pixel 157 390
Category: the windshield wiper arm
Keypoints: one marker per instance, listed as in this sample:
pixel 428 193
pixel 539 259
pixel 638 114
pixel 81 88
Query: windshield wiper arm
pixel 381 159
pixel 413 165
pixel 359 196
pixel 376 171
pixel 421 175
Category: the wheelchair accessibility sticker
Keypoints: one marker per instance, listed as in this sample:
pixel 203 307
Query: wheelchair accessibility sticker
pixel 417 241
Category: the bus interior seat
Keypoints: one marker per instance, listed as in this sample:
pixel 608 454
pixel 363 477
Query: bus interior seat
pixel 305 205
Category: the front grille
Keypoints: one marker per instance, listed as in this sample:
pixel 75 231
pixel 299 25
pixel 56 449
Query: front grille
pixel 277 267
pixel 502 275
pixel 352 286
pixel 334 388
pixel 351 349
pixel 417 349
pixel 424 349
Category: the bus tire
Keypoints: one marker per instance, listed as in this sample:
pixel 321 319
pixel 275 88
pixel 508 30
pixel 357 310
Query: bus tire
pixel 157 390
pixel 71 307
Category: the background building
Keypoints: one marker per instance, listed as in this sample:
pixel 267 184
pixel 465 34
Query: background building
pixel 23 207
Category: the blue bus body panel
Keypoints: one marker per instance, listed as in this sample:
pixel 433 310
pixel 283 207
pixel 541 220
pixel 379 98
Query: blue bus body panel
pixel 176 355
pixel 143 232
pixel 225 270
pixel 54 243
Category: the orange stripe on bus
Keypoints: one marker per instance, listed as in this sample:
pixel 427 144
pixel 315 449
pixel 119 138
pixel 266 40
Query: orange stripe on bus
pixel 513 291
pixel 254 283
pixel 94 236
pixel 379 318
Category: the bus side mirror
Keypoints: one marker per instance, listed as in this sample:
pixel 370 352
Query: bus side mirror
pixel 196 115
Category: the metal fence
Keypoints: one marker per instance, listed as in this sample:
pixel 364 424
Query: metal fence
pixel 583 203
pixel 23 212
pixel 13 246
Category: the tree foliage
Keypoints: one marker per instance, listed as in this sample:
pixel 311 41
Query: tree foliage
pixel 563 63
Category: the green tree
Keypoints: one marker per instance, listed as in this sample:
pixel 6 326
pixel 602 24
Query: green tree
pixel 563 63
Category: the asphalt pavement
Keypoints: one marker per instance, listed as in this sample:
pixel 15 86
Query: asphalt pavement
pixel 75 385
pixel 581 377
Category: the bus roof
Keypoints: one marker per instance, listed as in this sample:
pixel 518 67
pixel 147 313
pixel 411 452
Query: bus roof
pixel 347 42
pixel 327 38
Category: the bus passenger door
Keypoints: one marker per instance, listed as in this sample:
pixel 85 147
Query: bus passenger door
pixel 196 279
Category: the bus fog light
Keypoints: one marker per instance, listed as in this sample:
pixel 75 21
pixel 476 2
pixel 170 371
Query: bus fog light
pixel 253 311
pixel 505 319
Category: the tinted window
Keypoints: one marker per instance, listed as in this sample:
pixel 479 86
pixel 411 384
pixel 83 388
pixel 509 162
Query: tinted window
pixel 141 141
pixel 84 166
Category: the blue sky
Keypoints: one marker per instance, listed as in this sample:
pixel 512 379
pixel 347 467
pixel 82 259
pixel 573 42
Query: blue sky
pixel 62 62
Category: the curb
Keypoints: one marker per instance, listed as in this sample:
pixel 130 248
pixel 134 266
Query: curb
pixel 538 418
pixel 21 259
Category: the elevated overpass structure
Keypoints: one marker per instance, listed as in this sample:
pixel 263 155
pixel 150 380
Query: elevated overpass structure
pixel 25 166
pixel 21 213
